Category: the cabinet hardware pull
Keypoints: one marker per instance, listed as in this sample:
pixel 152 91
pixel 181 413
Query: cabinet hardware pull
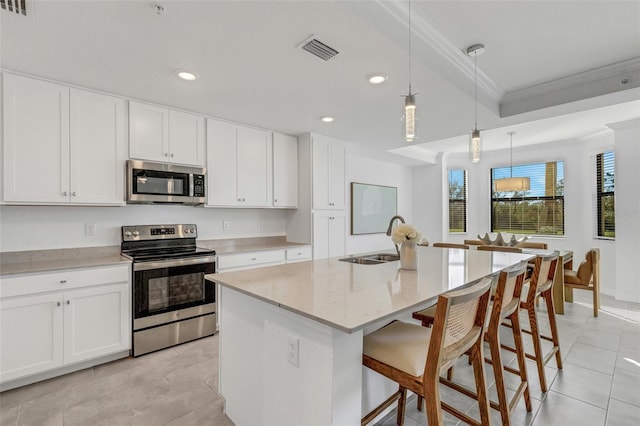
pixel 253 258
pixel 65 193
pixel 171 155
pixel 63 281
pixel 239 199
pixel 74 193
pixel 275 200
pixel 68 302
pixel 58 304
pixel 166 154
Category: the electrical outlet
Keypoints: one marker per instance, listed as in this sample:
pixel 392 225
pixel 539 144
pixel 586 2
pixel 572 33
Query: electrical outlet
pixel 225 225
pixel 293 350
pixel 89 229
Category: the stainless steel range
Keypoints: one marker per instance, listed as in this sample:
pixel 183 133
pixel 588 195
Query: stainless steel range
pixel 172 302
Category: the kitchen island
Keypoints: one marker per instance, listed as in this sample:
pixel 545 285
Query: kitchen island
pixel 291 335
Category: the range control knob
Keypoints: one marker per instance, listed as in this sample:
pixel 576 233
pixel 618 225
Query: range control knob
pixel 127 233
pixel 136 233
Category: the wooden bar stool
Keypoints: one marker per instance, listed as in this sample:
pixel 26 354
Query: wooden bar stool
pixel 506 301
pixel 507 249
pixel 451 245
pixel 540 285
pixel 414 356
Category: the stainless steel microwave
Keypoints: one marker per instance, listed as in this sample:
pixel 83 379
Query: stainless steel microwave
pixel 149 183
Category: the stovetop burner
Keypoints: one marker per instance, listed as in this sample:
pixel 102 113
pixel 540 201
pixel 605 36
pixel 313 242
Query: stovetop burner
pixel 146 243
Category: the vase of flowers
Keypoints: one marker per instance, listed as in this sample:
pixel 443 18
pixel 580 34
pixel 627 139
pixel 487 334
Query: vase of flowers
pixel 407 236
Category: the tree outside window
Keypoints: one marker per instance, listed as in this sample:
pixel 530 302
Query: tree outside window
pixel 605 194
pixel 457 201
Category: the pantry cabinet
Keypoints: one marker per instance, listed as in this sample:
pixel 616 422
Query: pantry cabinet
pixel 285 170
pixel 328 164
pixel 161 134
pixel 62 145
pixel 239 165
pixel 54 320
pixel 329 231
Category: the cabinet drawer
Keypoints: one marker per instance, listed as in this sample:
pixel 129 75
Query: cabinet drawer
pixel 298 254
pixel 63 280
pixel 250 259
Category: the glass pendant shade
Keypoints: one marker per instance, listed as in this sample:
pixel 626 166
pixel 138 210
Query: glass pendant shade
pixel 512 184
pixel 475 146
pixel 409 118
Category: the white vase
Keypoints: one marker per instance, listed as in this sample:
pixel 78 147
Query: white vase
pixel 408 255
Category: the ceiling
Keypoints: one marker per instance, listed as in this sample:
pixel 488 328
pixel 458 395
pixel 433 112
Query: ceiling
pixel 552 70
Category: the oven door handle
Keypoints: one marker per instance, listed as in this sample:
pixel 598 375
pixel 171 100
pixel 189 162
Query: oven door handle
pixel 145 266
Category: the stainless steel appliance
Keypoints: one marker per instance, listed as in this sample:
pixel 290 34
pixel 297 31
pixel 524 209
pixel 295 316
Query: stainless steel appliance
pixel 164 183
pixel 172 302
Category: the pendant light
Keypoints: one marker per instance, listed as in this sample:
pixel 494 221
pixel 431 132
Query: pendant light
pixel 511 183
pixel 475 142
pixel 409 118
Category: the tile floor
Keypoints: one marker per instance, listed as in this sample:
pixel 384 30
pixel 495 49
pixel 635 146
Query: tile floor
pixel 599 384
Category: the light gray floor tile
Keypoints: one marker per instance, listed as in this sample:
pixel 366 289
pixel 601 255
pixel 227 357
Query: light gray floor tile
pixel 591 357
pixel 622 414
pixel 604 339
pixel 586 385
pixel 626 387
pixel 559 409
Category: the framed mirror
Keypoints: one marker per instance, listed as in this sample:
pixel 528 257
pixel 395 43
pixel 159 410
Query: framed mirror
pixel 371 207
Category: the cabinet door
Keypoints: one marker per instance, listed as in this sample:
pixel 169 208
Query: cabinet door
pixel 320 237
pixel 31 330
pixel 320 160
pixel 97 322
pixel 254 164
pixel 221 164
pixel 186 138
pixel 98 147
pixel 336 165
pixel 148 132
pixel 337 235
pixel 36 140
pixel 285 170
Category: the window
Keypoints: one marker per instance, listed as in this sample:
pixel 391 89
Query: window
pixel 538 210
pixel 605 191
pixel 457 201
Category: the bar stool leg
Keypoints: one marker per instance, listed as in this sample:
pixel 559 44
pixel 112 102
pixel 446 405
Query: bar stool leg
pixel 537 346
pixel 548 297
pixel 522 365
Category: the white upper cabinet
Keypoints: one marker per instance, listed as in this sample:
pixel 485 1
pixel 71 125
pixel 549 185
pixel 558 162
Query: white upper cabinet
pixel 285 170
pixel 161 134
pixel 328 164
pixel 62 145
pixel 239 165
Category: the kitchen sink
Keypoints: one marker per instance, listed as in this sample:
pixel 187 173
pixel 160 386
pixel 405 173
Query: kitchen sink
pixel 372 259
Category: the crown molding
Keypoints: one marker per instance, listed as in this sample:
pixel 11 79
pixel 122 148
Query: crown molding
pixel 450 53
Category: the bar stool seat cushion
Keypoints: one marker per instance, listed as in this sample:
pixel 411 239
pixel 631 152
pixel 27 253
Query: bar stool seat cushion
pixel 400 345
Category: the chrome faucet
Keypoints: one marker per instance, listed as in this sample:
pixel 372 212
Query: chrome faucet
pixel 390 228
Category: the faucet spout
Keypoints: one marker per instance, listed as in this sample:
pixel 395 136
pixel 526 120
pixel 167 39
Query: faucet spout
pixel 393 219
pixel 390 228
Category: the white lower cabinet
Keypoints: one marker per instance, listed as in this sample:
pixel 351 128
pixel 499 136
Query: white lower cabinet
pixel 329 233
pixel 78 315
pixel 255 259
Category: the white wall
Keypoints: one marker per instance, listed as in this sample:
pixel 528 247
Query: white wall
pixel 47 227
pixel 366 170
pixel 430 197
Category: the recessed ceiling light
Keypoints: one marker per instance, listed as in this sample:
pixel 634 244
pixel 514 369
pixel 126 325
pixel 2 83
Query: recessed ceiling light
pixel 186 75
pixel 377 78
pixel 327 119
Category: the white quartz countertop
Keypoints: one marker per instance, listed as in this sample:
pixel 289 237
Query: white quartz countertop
pixel 349 296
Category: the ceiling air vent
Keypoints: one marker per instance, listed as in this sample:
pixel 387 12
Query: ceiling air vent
pixel 319 49
pixel 16 6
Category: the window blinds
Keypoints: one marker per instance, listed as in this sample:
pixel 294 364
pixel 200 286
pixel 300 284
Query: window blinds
pixel 538 210
pixel 605 195
pixel 457 201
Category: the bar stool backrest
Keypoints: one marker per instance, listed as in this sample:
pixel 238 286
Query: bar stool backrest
pixel 544 273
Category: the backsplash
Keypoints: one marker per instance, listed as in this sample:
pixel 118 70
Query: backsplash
pixel 53 227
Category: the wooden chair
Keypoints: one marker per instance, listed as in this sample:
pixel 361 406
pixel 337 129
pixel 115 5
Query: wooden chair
pixel 532 244
pixel 506 301
pixel 587 277
pixel 541 285
pixel 451 245
pixel 414 356
pixel 500 248
pixel 475 242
